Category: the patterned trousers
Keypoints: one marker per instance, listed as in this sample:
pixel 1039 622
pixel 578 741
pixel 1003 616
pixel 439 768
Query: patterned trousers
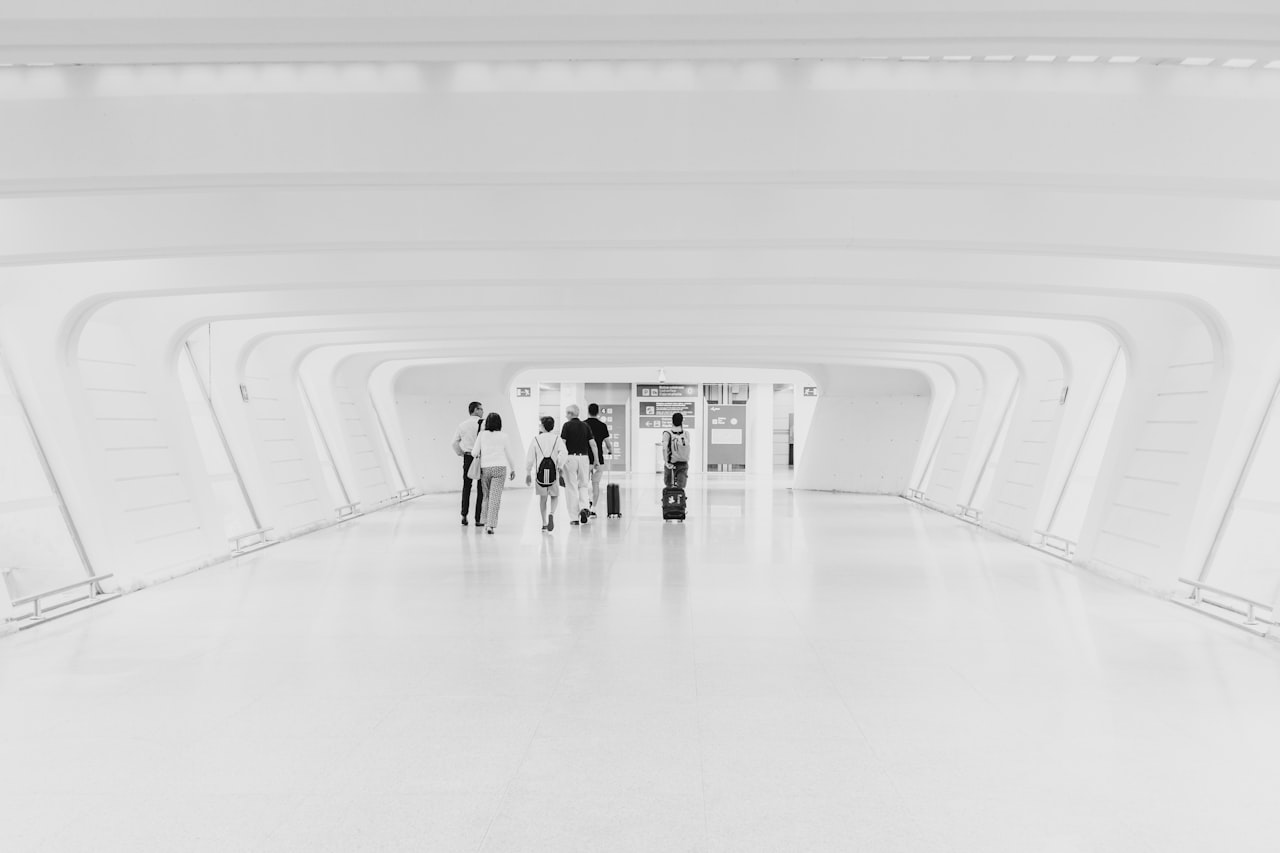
pixel 491 481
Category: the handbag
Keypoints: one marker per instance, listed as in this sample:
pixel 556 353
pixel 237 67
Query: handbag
pixel 474 471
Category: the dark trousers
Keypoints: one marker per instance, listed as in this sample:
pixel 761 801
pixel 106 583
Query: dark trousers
pixel 677 476
pixel 466 490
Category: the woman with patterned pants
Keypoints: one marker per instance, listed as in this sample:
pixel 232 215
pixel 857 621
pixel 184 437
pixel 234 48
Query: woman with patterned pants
pixel 491 447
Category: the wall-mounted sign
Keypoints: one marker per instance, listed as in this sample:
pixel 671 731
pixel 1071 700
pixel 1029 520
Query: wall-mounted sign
pixel 811 390
pixel 614 416
pixel 523 391
pixel 656 414
pixel 727 432
pixel 667 391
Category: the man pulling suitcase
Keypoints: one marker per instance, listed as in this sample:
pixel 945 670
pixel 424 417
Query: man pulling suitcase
pixel 675 443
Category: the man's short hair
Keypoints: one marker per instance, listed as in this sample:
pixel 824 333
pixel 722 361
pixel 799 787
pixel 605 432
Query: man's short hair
pixel 593 409
pixel 571 410
pixel 471 408
pixel 548 423
pixel 677 419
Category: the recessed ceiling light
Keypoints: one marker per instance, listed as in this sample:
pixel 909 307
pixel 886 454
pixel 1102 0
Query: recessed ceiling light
pixel 1038 58
pixel 1275 63
pixel 1240 63
pixel 998 58
pixel 1124 60
pixel 957 58
pixel 915 59
pixel 1197 61
pixel 1082 59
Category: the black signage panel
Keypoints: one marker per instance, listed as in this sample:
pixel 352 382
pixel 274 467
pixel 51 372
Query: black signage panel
pixel 614 416
pixel 656 414
pixel 643 391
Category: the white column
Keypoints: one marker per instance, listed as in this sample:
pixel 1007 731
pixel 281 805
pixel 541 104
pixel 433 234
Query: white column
pixel 760 430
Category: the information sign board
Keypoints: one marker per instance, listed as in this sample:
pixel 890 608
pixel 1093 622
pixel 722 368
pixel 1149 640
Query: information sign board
pixel 726 435
pixel 656 414
pixel 811 390
pixel 524 391
pixel 690 391
pixel 614 416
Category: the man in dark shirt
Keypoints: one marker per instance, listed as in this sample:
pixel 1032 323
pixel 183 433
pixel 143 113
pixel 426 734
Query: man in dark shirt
pixel 599 431
pixel 579 443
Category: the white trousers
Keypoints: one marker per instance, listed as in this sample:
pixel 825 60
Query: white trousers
pixel 577 483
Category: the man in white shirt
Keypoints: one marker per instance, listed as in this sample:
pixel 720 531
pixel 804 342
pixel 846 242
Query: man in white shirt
pixel 464 441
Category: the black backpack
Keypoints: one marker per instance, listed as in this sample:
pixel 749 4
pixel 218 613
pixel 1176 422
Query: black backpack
pixel 546 474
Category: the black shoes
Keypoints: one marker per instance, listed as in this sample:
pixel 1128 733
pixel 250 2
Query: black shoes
pixel 464 521
pixel 583 515
pixel 489 530
pixel 551 523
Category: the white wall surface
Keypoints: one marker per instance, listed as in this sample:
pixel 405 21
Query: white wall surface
pixel 866 445
pixel 866 431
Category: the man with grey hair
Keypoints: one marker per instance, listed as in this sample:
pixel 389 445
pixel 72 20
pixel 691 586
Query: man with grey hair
pixel 579 444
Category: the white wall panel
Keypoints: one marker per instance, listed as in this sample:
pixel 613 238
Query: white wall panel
pixel 285 457
pixel 956 446
pixel 1170 418
pixel 147 470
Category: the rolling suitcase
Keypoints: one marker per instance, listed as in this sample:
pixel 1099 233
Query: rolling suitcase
pixel 613 500
pixel 673 504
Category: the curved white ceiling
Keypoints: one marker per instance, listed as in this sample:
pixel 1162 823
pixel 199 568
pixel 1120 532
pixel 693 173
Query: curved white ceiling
pixel 795 213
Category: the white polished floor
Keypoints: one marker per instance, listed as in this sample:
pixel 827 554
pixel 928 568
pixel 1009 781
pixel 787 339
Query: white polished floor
pixel 786 672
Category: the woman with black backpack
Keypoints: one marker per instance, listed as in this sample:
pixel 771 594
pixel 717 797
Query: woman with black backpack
pixel 543 468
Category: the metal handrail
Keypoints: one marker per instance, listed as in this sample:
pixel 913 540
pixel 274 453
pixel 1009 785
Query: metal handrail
pixel 973 515
pixel 348 511
pixel 1067 547
pixel 39 595
pixel 35 600
pixel 1219 591
pixel 1198 588
pixel 237 547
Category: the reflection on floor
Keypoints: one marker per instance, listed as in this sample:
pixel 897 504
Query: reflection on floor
pixel 785 672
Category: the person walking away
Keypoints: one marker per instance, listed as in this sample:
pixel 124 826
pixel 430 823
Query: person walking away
pixel 464 440
pixel 600 432
pixel 544 465
pixel 496 467
pixel 675 443
pixel 579 447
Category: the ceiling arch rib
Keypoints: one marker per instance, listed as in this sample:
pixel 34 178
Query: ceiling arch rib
pixel 76 31
pixel 335 308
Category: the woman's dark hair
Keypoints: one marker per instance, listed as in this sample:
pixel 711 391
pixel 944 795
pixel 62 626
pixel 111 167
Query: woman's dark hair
pixel 548 423
pixel 493 423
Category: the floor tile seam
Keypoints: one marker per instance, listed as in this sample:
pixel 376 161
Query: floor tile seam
pixel 264 842
pixel 844 702
pixel 1052 564
pixel 505 796
pixel 698 745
